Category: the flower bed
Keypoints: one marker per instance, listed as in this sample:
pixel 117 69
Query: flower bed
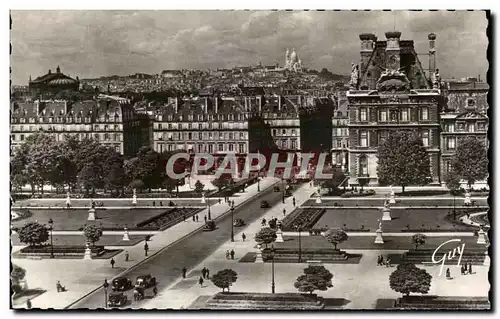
pixel 369 192
pixel 304 218
pixel 61 250
pixel 265 297
pixel 167 219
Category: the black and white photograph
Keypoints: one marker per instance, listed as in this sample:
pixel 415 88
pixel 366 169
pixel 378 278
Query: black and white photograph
pixel 254 160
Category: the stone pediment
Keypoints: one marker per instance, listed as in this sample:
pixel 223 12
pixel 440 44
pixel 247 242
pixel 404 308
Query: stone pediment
pixel 471 115
pixel 392 81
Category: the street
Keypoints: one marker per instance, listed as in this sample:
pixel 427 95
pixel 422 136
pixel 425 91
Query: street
pixel 167 265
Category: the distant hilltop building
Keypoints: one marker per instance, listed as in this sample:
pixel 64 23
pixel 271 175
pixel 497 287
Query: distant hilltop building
pixel 292 61
pixel 53 83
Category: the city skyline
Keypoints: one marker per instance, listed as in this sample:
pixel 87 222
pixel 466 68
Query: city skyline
pixel 91 44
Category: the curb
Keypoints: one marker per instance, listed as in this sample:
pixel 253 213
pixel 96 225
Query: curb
pixel 166 247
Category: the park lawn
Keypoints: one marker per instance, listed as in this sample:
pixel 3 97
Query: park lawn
pixel 367 242
pixel 74 219
pixel 79 240
pixel 400 201
pixel 127 202
pixel 415 218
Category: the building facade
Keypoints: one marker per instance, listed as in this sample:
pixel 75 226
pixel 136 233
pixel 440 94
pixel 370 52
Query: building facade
pixel 389 92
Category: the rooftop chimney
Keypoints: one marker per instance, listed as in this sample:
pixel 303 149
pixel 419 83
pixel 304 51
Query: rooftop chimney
pixel 392 50
pixel 432 54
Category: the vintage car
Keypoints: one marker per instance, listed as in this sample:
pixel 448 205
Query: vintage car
pixel 145 281
pixel 121 284
pixel 239 223
pixel 209 226
pixel 276 189
pixel 264 204
pixel 117 299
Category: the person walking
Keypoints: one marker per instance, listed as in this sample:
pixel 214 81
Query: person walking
pixel 112 263
pixel 227 254
pixel 196 217
pixel 448 273
pixel 462 270
pixel 208 273
pixel 184 271
pixel 243 236
pixel 126 256
pixel 200 281
pixel 284 212
pixel 203 272
pixel 28 304
pixel 205 219
pixel 155 291
pixel 232 254
pixel 184 217
pixel 293 201
pixel 379 260
pixel 264 222
pixel 219 200
pixel 388 262
pixel 146 248
pixel 470 268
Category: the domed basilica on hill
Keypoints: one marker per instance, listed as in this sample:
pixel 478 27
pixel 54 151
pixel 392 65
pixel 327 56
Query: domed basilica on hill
pixel 292 61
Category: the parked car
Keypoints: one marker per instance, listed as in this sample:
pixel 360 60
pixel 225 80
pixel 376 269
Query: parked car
pixel 264 204
pixel 276 189
pixel 239 223
pixel 117 299
pixel 209 226
pixel 121 284
pixel 145 281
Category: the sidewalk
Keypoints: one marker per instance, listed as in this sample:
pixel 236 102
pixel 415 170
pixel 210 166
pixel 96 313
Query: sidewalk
pixel 82 277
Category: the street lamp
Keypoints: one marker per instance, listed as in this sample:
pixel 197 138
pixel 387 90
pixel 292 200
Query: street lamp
pixel 258 183
pixel 209 215
pixel 232 222
pixel 51 223
pixel 105 285
pixel 283 186
pixel 300 243
pixel 272 269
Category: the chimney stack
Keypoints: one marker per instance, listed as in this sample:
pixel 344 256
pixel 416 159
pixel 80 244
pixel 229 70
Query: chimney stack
pixel 432 54
pixel 368 41
pixel 279 102
pixel 392 50
pixel 216 104
pixel 176 104
pixel 206 104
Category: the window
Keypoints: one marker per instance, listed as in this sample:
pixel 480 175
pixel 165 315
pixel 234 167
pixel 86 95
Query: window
pixel 200 136
pixel 210 135
pixel 363 166
pixel 190 136
pixel 221 147
pixel 283 144
pixel 200 148
pixel 383 116
pixel 221 136
pixel 294 144
pixel 425 138
pixel 451 143
pixel 471 127
pixel 210 148
pixel 294 131
pixel 106 136
pixel 404 115
pixel 274 132
pixel 200 126
pixel 231 148
pixel 241 148
pixel 448 166
pixel 242 136
pixel 190 126
pixel 362 114
pixel 283 132
pixel 22 137
pixel 117 149
pixel 180 126
pixel 450 127
pixel 159 126
pixel 339 132
pixel 364 139
pixel 424 114
pixel 231 136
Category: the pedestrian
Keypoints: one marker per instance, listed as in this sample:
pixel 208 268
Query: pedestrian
pixel 284 212
pixel 462 270
pixel 264 222
pixel 378 260
pixel 184 217
pixel 448 273
pixel 208 273
pixel 243 236
pixel 126 255
pixel 146 248
pixel 470 268
pixel 28 304
pixel 155 291
pixel 232 254
pixel 184 271
pixel 203 272
pixel 219 200
pixel 154 203
pixel 381 260
pixel 136 294
pixel 58 286
pixel 293 200
pixel 205 219
pixel 194 218
pixel 112 263
pixel 388 262
pixel 200 281
pixel 227 254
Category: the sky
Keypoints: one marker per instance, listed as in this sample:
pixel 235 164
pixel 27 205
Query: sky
pixel 101 43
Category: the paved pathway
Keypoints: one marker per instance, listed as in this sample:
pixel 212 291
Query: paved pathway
pixel 81 276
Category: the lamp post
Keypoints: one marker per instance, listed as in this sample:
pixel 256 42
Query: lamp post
pixel 51 223
pixel 258 183
pixel 300 243
pixel 232 222
pixel 209 215
pixel 105 285
pixel 283 186
pixel 272 269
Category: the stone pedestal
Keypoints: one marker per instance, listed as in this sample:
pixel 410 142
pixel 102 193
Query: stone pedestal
pixel 125 234
pixel 134 199
pixel 386 211
pixel 279 236
pixel 203 201
pixel 259 259
pixel 68 200
pixel 487 259
pixel 92 214
pixel 467 200
pixel 88 252
pixel 481 237
pixel 318 200
pixel 379 239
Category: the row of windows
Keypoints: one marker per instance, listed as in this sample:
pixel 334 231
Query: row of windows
pixel 201 136
pixel 364 140
pixel 34 128
pixel 470 127
pixel 284 132
pixel 385 115
pixel 199 126
pixel 115 137
pixel 206 117
pixel 340 131
pixel 204 148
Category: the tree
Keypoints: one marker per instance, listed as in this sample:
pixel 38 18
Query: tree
pixel 452 181
pixel 265 236
pixel 403 160
pixel 198 187
pixel 170 184
pixel 418 240
pixel 90 177
pixel 408 278
pixel 471 160
pixel 314 278
pixel 225 278
pixel 136 184
pixel 18 181
pixel 335 236
pixel 220 183
pixel 115 179
pixel 17 276
pixel 33 234
pixel 333 183
pixel 92 234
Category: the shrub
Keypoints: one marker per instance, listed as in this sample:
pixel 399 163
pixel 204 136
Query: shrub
pixel 33 234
